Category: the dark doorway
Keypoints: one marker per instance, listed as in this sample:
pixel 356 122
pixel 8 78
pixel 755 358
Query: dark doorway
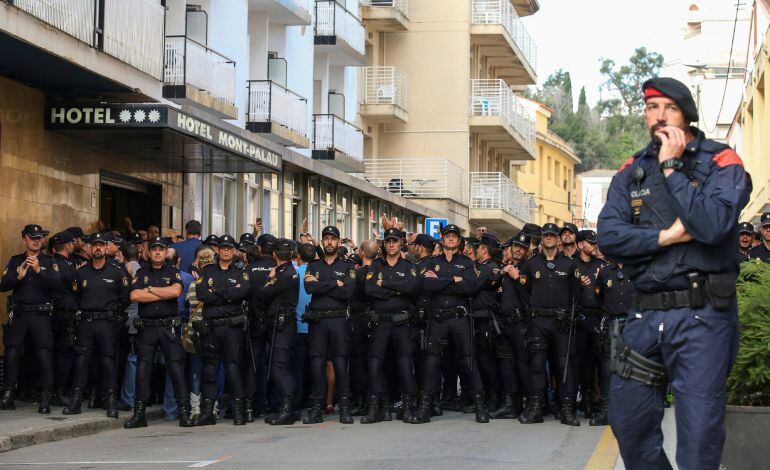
pixel 123 198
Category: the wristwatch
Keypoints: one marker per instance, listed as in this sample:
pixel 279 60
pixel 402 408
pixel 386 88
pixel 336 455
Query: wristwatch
pixel 149 289
pixel 672 163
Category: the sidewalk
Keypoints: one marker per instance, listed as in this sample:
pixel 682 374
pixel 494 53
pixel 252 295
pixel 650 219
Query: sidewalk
pixel 25 427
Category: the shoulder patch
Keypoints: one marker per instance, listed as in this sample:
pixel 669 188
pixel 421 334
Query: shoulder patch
pixel 626 164
pixel 245 276
pixel 523 279
pixel 727 157
pixel 369 276
pixel 55 267
pixel 178 276
pixel 352 274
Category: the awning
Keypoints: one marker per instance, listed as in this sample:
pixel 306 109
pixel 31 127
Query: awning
pixel 162 135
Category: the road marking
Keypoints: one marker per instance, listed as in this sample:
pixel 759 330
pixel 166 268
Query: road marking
pixel 606 452
pixel 195 463
pixel 206 463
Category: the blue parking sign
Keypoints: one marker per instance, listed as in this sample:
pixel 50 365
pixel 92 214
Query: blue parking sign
pixel 433 227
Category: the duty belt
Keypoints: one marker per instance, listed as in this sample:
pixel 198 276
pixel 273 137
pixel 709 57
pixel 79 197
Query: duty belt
pixel 92 315
pixel 235 320
pixel 316 315
pixel 511 316
pixel 32 308
pixel 547 312
pixel 441 314
pixel 398 318
pixel 140 323
pixel 484 313
pixel 663 300
pixel 592 311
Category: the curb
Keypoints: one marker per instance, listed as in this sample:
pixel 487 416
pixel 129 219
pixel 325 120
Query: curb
pixel 63 430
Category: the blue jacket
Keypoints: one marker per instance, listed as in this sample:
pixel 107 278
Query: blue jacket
pixel 708 195
pixel 186 251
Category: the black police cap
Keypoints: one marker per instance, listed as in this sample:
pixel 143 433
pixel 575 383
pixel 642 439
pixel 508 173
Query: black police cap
pixel 61 238
pixel 472 241
pixel 247 238
pixel 550 228
pixel 746 227
pixel 76 232
pixel 283 244
pixel 674 89
pixel 111 237
pixel 266 240
pixel 765 219
pixel 34 231
pixel 568 226
pixel 330 230
pixel 521 239
pixel 211 240
pixel 158 241
pixel 423 239
pixel 355 259
pixel 451 228
pixel 392 233
pixel 135 238
pixel 227 240
pixel 98 238
pixel 490 240
pixel 533 229
pixel 586 236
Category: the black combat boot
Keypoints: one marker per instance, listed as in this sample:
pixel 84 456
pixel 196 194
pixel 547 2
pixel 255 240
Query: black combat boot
pixel 315 414
pixel 75 402
pixel 568 412
pixel 111 403
pixel 385 414
pixel 184 409
pixel 286 415
pixel 480 408
pixel 409 408
pixel 493 399
pixel 599 417
pixel 239 412
pixel 554 406
pixel 466 402
pixel 6 400
pixel 373 415
pixel 345 406
pixel 60 397
pixel 44 407
pixel 138 420
pixel 534 411
pixel 423 411
pixel 207 416
pixel 505 410
pixel 359 405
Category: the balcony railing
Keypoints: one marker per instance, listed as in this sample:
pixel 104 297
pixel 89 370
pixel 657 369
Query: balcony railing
pixel 129 30
pixel 495 98
pixel 332 133
pixel 402 6
pixel 271 102
pixel 332 19
pixel 496 191
pixel 414 177
pixel 191 63
pixel 383 85
pixel 501 12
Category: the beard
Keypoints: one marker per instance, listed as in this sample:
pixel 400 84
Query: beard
pixel 655 129
pixel 330 250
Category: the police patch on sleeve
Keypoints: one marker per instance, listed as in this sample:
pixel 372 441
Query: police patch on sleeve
pixel 55 267
pixel 609 283
pixel 211 282
pixel 537 274
pixel 245 276
pixel 369 276
pixel 133 281
pixel 85 283
pixel 413 272
pixel 523 279
pixel 179 276
pixel 125 282
pixel 352 273
pixel 577 273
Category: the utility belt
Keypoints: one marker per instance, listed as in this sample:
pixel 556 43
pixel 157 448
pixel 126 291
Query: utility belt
pixel 32 308
pixel 170 322
pixel 716 289
pixel 508 317
pixel 442 314
pixel 93 315
pixel 312 316
pixel 548 312
pixel 483 314
pixel 399 318
pixel 595 312
pixel 280 318
pixel 630 364
pixel 235 320
pixel 615 316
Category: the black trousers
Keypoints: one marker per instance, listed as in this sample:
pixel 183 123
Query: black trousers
pixel 403 346
pixel 96 335
pixel 227 343
pixel 514 357
pixel 545 335
pixel 62 325
pixel 37 326
pixel 486 353
pixel 148 340
pixel 359 343
pixel 329 338
pixel 602 348
pixel 588 356
pixel 281 371
pixel 440 333
pixel 252 357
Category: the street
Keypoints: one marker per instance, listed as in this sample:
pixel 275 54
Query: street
pixel 451 441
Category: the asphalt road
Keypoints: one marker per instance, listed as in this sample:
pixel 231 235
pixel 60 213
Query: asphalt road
pixel 453 441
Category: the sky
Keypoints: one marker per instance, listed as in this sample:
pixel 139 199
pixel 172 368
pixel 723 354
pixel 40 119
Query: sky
pixel 575 35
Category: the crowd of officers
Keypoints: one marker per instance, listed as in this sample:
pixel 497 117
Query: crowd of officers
pixel 523 325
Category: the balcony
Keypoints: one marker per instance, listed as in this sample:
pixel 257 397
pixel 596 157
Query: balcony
pixel 526 7
pixel 502 40
pixel 200 77
pixel 501 121
pixel 418 178
pixel 285 12
pixel 277 113
pixel 339 33
pixel 339 142
pixel 385 15
pixel 383 94
pixel 498 203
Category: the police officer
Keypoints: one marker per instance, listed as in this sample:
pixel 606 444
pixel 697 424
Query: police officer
pixel 553 283
pixel 389 284
pixel 670 218
pixel 330 281
pixel 568 235
pixel 511 346
pixel 745 238
pixel 103 291
pixel 80 253
pixel 762 251
pixel 222 288
pixel 281 292
pixel 360 305
pixel 33 279
pixel 63 322
pixel 451 280
pixel 156 289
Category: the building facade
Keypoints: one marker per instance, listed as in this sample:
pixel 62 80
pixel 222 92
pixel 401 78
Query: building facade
pixel 592 188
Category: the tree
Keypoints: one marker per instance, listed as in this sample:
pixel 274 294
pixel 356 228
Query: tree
pixel 627 80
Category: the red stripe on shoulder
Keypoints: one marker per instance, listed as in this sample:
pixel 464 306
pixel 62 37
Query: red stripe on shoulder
pixel 628 162
pixel 727 157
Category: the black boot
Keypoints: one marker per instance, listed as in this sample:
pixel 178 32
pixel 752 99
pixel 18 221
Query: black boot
pixel 315 414
pixel 184 409
pixel 423 411
pixel 111 403
pixel 207 416
pixel 588 408
pixel 60 397
pixel 44 407
pixel 438 408
pixel 534 411
pixel 568 412
pixel 345 406
pixel 493 399
pixel 385 414
pixel 480 408
pixel 409 408
pixel 554 408
pixel 285 414
pixel 75 403
pixel 139 420
pixel 239 412
pixel 6 401
pixel 599 417
pixel 466 402
pixel 359 405
pixel 373 408
pixel 505 410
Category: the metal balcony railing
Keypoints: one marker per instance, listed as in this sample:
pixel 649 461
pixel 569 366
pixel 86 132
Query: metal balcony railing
pixel 270 102
pixel 401 6
pixel 333 19
pixel 383 85
pixel 501 12
pixel 496 191
pixel 495 98
pixel 415 177
pixel 129 30
pixel 332 133
pixel 188 62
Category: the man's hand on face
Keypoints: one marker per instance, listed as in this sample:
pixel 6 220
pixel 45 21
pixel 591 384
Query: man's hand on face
pixel 672 143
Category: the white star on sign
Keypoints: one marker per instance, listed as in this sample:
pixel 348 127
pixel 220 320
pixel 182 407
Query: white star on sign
pixel 154 115
pixel 124 115
pixel 139 115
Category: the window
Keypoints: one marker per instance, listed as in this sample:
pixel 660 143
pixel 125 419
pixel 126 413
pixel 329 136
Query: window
pixel 327 205
pixel 550 169
pixel 290 205
pixel 271 204
pixel 358 227
pixel 252 206
pixel 312 207
pixel 343 213
pixel 222 205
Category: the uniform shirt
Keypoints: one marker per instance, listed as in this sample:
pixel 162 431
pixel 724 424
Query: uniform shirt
pixel 281 291
pixel 445 292
pixel 551 288
pixel 258 272
pixel 164 277
pixel 64 296
pixel 513 296
pixel 742 256
pixel 327 295
pixel 421 296
pixel 34 288
pixel 359 302
pixel 102 290
pixel 303 299
pixel 397 283
pixel 613 288
pixel 486 295
pixel 760 252
pixel 587 295
pixel 222 290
